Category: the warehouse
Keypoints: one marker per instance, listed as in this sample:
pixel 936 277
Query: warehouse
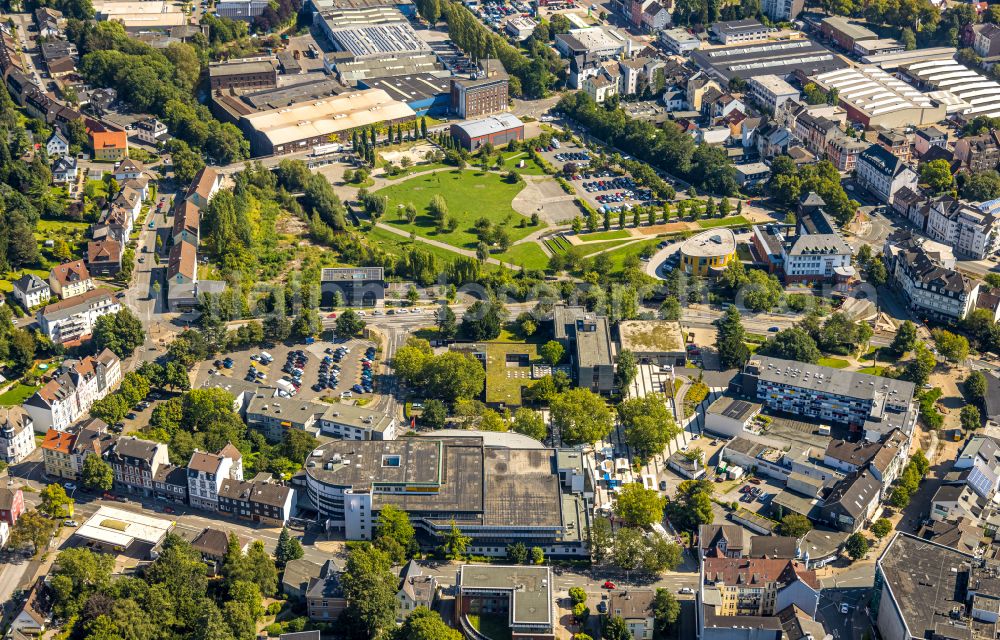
pixel 350 71
pixel 303 125
pixel 230 105
pixel 874 98
pixel 497 130
pixel 365 41
pixel 243 74
pixel 845 32
pixel 967 92
pixel 425 93
pixel 775 58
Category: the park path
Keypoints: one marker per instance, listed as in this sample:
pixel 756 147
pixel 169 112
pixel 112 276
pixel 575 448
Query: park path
pixel 444 245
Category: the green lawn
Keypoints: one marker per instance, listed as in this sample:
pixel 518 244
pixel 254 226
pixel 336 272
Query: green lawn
pixel 7 287
pixel 418 168
pixel 470 195
pixel 527 254
pixel 530 167
pixel 17 395
pixel 875 371
pixel 604 235
pixel 44 226
pixel 396 244
pixel 594 247
pixel 619 255
pixel 836 363
pixel 558 244
pixel 731 221
pixel 491 625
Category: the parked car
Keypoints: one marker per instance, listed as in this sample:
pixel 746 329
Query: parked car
pixel 608 585
pixel 69 486
pixel 70 523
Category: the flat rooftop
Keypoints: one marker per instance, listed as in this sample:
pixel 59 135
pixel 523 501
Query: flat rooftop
pixel 651 336
pixel 113 526
pixel 412 87
pixel 223 69
pixel 776 58
pixel 926 580
pixel 508 369
pixel 714 242
pixel 873 91
pixel 377 39
pixel 330 116
pixel 849 384
pixel 734 408
pixel 531 589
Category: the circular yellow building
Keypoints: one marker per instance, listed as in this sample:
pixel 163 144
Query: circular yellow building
pixel 708 253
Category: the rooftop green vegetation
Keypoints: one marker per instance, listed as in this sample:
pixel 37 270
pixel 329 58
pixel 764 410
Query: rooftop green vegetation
pixel 508 369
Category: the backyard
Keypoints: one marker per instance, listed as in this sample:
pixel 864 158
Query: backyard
pixel 469 195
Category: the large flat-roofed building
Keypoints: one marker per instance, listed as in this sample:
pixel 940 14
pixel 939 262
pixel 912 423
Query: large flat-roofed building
pixel 737 31
pixel 875 98
pixel 336 18
pixel 845 32
pixel 775 58
pixel 350 71
pixel 967 92
pixel 595 42
pixel 497 130
pixel 586 336
pixel 241 9
pixel 494 494
pixel 373 40
pixel 350 422
pixel 303 125
pixel 404 6
pixel 523 594
pixel 861 401
pixel 729 416
pixel 653 341
pixel 425 93
pixel 126 532
pixel 243 74
pixel 358 286
pixel 928 590
pixel 229 105
pixel 482 93
pixel 151 14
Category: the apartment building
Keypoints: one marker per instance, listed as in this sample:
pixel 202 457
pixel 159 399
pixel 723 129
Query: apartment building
pixel 739 31
pixel 973 231
pixel 57 455
pixel 70 322
pixel 73 389
pixel 258 500
pixel 979 153
pixel 31 291
pixel 931 289
pixel 17 434
pixel 883 174
pixel 755 587
pixel 135 463
pixel 843 151
pixel 771 91
pixel 207 471
pixel 587 337
pixel 70 279
pixel 635 607
pixel 782 10
pixel 349 422
pixel 873 403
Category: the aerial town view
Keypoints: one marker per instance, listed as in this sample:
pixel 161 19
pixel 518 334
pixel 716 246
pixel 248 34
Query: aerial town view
pixel 499 320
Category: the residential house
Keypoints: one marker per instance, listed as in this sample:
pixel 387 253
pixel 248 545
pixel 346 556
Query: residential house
pixel 416 589
pixel 603 85
pixel 204 186
pixel 757 587
pixel 135 463
pixel 979 153
pixel 64 171
pixel 11 504
pixel 183 265
pixel 212 544
pixel 187 223
pixel 987 42
pixel 956 501
pixel 324 596
pixel 171 484
pixel 297 577
pixel 697 86
pixel 260 500
pixel 814 131
pixel 91 438
pixel 906 200
pixel 635 606
pixel 655 17
pixel 72 320
pixel 31 620
pixel 772 140
pixel 883 174
pixel 31 291
pixel 70 279
pixel 206 473
pixel 852 502
pixel 127 169
pixel 109 145
pixel 57 145
pixel 896 143
pixel 17 434
pixel 104 257
pixel 928 137
pixel 129 200
pixel 57 454
pixel 50 22
pixel 843 151
pixel 150 131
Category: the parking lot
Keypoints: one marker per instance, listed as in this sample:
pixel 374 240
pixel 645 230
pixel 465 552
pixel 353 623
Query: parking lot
pixel 754 496
pixel 248 362
pixel 602 189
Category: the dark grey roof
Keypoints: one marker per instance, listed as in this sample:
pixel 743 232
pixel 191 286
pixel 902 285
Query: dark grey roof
pixel 854 493
pixel 879 158
pixel 30 283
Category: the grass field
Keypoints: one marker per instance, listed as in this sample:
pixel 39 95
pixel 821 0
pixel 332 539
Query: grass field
pixel 7 287
pixel 530 167
pixel 558 244
pixel 17 395
pixel 470 195
pixel 417 168
pixel 527 254
pixel 597 236
pixel 45 226
pixel 618 256
pixel 731 221
pixel 875 371
pixel 591 248
pixel 835 363
pixel 397 244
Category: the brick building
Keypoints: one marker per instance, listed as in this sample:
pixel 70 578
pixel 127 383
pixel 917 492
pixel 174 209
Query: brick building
pixel 485 93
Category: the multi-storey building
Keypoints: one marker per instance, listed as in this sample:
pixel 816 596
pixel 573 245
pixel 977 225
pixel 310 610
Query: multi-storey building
pixel 843 151
pixel 815 131
pixel 587 337
pixel 482 94
pixel 853 501
pixel 754 588
pixel 973 231
pixel 875 404
pixel 883 174
pixel 11 504
pixel 171 484
pixel 31 291
pixel 261 501
pixel 782 10
pixel 522 594
pixel 495 494
pixel 72 321
pixel 90 438
pixel 206 472
pixel 930 289
pixel 17 434
pixel 979 153
pixel 57 454
pixel 349 422
pixel 135 463
pixel 771 91
pixel 243 74
pixel 74 388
